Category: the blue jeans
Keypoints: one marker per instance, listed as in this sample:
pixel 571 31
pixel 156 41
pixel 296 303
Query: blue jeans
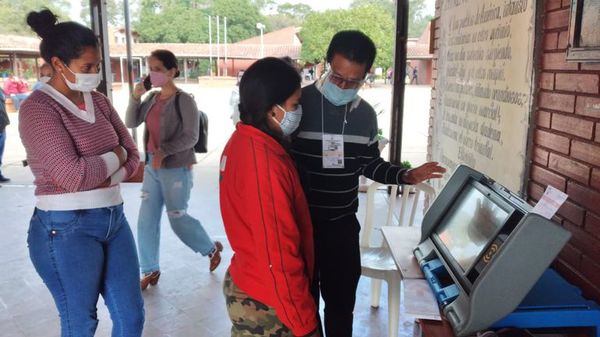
pixel 170 188
pixel 17 99
pixel 82 254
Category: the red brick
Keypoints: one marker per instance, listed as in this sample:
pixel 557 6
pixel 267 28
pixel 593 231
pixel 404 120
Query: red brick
pixel 544 118
pixel 552 141
pixel 588 106
pixel 598 132
pixel 589 290
pixel 540 156
pixel 572 212
pixel 595 182
pixel 573 125
pixel 584 196
pixel 586 83
pixel 563 39
pixel 571 256
pixel 551 4
pixel 569 168
pixel 586 152
pixel 551 41
pixel 557 61
pixel 566 3
pixel 557 19
pixel 535 192
pixel 547 81
pixel 590 66
pixel 546 177
pixel 592 224
pixel 581 239
pixel 555 101
pixel 590 268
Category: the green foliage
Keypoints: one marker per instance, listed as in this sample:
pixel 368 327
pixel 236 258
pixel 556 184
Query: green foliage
pixel 172 21
pixel 242 17
pixel 114 8
pixel 319 28
pixel 289 15
pixel 417 20
pixel 406 164
pixel 13 14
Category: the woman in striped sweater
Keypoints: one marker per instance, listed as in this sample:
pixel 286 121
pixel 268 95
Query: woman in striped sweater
pixel 79 151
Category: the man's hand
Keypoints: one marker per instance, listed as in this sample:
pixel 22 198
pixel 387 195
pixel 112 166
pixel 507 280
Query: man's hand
pixel 157 159
pixel 424 172
pixel 121 154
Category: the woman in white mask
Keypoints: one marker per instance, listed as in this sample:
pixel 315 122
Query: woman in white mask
pixel 172 127
pixel 265 212
pixel 79 151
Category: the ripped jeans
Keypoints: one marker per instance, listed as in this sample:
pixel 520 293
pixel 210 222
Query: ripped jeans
pixel 171 188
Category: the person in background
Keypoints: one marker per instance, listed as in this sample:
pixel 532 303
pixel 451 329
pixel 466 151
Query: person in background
pixel 265 212
pixel 4 121
pixel 234 101
pixel 79 151
pixel 336 143
pixel 169 142
pixel 16 89
pixel 45 75
pixel 415 76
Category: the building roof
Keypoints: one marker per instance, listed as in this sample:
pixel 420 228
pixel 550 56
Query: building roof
pixel 285 36
pixel 19 44
pixel 203 50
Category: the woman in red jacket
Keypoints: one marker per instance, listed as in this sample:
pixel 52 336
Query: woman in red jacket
pixel 265 212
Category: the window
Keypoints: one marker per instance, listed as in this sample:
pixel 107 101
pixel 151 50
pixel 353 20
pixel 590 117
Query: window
pixel 584 31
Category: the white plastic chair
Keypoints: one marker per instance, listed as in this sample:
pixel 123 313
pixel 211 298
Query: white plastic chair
pixel 377 262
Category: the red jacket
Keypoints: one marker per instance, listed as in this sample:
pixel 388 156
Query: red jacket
pixel 268 224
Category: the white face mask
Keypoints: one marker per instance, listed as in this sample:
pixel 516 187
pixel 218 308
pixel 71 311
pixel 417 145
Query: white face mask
pixel 291 120
pixel 44 79
pixel 83 82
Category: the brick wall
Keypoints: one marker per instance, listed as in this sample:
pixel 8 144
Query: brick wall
pixel 566 151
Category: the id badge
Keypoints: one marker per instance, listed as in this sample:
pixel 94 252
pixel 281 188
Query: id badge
pixel 333 151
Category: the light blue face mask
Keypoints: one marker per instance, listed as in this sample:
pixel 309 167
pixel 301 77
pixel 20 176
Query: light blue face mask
pixel 291 120
pixel 336 95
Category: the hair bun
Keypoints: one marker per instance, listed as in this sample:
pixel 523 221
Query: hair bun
pixel 42 22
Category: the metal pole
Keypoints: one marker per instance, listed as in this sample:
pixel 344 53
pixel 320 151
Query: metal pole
pixel 100 28
pixel 218 47
pixel 225 41
pixel 262 43
pixel 210 45
pixel 397 118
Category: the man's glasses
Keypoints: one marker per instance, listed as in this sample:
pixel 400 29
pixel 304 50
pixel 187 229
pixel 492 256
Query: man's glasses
pixel 344 82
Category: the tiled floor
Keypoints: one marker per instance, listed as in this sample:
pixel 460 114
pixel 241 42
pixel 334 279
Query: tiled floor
pixel 187 301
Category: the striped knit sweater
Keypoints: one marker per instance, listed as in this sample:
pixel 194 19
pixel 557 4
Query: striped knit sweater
pixel 64 151
pixel 333 193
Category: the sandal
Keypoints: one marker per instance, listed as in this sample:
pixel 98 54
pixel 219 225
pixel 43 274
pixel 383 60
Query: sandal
pixel 215 256
pixel 150 279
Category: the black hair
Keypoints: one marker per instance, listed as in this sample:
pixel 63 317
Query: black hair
pixel 65 40
pixel 353 45
pixel 167 58
pixel 267 82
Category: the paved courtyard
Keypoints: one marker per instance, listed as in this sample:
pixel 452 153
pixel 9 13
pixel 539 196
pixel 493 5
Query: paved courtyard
pixel 188 300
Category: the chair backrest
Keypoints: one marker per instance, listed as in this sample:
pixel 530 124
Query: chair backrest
pixel 408 202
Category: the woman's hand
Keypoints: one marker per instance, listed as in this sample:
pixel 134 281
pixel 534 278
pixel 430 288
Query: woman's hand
pixel 121 154
pixel 157 159
pixel 139 90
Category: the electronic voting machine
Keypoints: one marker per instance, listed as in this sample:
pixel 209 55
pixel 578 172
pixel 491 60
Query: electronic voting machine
pixel 482 250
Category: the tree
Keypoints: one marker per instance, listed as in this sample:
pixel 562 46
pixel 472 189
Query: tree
pixel 172 21
pixel 417 20
pixel 114 8
pixel 13 15
pixel 319 28
pixel 289 15
pixel 242 17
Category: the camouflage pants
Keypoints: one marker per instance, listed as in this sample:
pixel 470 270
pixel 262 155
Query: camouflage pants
pixel 251 318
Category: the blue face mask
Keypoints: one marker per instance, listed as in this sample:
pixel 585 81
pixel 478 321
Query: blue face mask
pixel 291 120
pixel 336 95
